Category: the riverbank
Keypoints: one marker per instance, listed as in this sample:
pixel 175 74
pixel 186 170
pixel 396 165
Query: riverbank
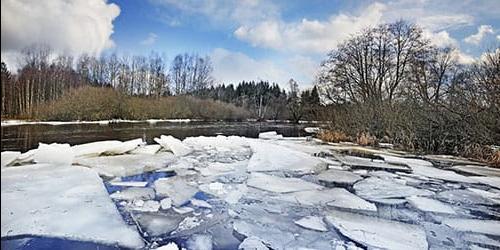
pixel 224 192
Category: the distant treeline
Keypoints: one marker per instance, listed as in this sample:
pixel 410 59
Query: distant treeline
pixel 43 79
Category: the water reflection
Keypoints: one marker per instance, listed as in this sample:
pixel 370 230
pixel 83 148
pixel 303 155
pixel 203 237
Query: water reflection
pixel 25 137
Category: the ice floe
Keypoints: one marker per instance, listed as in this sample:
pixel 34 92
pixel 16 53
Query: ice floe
pixel 489 227
pixel 369 164
pixel 313 223
pixel 278 184
pixel 378 233
pixel 67 202
pixel 488 180
pixel 270 135
pixel 146 149
pixel 60 154
pixel 336 197
pixel 9 157
pixel 477 170
pixel 134 193
pixel 156 224
pixel 199 242
pixel 430 205
pixel 176 188
pixel 252 243
pixel 383 190
pixel 338 177
pixel 173 144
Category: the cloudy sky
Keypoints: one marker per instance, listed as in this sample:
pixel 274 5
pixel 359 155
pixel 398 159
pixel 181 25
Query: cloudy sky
pixel 246 39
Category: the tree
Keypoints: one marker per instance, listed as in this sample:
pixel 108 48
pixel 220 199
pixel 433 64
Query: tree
pixel 294 102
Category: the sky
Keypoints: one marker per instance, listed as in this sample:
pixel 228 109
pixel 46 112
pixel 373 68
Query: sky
pixel 245 39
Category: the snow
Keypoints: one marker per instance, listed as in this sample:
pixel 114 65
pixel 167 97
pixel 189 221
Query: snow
pixel 146 149
pixel 199 242
pixel 183 210
pixel 173 144
pixel 430 205
pixel 339 177
pixel 175 188
pixel 252 243
pixel 230 193
pixel 313 223
pixel 61 201
pixel 9 157
pixel 270 157
pixel 489 227
pixel 26 157
pixel 125 165
pixel 134 193
pixel 278 184
pixel 378 233
pixel 60 154
pixel 270 135
pixel 477 170
pixel 129 183
pixel 377 189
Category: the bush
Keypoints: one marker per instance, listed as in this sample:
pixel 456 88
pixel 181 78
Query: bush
pixel 333 136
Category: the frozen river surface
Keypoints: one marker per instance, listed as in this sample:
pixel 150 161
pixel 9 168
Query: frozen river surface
pixel 231 192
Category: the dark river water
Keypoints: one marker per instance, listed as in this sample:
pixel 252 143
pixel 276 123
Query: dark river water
pixel 26 137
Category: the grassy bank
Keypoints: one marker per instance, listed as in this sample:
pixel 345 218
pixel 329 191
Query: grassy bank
pixel 91 103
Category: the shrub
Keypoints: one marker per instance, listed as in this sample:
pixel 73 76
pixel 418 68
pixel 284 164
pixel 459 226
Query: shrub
pixel 333 136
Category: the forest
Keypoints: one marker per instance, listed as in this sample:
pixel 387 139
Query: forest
pixel 388 82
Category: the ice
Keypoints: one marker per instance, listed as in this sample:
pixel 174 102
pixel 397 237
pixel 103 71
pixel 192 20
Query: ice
pixel 166 203
pixel 134 193
pixel 335 197
pixel 270 135
pixel 129 183
pixel 482 239
pixel 146 150
pixel 67 202
pixel 125 165
pixel 200 203
pixel 436 173
pixel 477 170
pixel 378 233
pixel 189 223
pixel 270 236
pixel 488 180
pixel 173 144
pixel 380 190
pixel 218 168
pixel 124 147
pixel 338 177
pixel 405 161
pixel 430 205
pixel 495 197
pixel 231 193
pixel 9 157
pixel 312 130
pixel 147 206
pixel 183 210
pixel 252 243
pixel 94 148
pixel 270 157
pixel 219 143
pixel 461 196
pixel 199 242
pixel 489 227
pixel 313 223
pixel 278 184
pixel 155 224
pixel 26 157
pixel 365 163
pixel 175 188
pixel 59 154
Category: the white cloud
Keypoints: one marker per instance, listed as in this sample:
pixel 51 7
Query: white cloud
pixel 78 26
pixel 233 67
pixel 482 31
pixel 150 40
pixel 498 37
pixel 440 39
pixel 309 35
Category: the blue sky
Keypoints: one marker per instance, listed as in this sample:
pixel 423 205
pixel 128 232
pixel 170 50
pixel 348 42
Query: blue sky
pixel 246 39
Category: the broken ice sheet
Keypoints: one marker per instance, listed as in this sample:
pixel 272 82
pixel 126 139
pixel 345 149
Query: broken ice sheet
pixel 9 157
pixel 68 202
pixel 376 189
pixel 176 188
pixel 280 185
pixel 269 157
pixel 125 165
pixel 156 224
pixel 134 193
pixel 430 205
pixel 489 227
pixel 373 232
pixel 366 163
pixel 338 177
pixel 313 223
pixel 173 144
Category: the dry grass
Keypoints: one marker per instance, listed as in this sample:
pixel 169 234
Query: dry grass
pixel 482 153
pixel 365 139
pixel 333 136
